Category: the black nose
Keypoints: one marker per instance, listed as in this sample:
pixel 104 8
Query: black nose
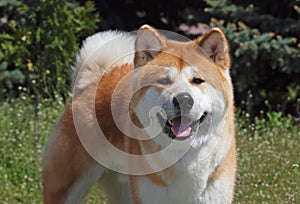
pixel 183 101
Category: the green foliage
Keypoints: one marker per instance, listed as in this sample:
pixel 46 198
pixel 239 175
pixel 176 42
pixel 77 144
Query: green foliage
pixel 39 42
pixel 167 14
pixel 264 38
pixel 265 53
pixel 40 38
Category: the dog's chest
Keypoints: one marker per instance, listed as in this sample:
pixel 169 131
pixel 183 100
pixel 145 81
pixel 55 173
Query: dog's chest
pixel 185 186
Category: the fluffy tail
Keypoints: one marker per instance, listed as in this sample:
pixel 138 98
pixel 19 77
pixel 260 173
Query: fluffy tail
pixel 99 53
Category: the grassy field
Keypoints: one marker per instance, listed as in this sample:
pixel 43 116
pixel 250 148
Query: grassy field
pixel 268 154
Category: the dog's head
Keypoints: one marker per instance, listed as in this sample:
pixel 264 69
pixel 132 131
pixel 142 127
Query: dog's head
pixel 188 83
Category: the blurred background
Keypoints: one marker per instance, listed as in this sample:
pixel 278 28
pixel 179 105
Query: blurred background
pixel 40 38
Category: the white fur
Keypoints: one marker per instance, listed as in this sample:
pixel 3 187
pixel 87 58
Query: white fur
pixel 81 187
pixel 189 185
pixel 189 182
pixel 100 52
pixel 116 186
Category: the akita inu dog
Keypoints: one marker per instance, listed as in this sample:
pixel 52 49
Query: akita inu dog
pixel 151 119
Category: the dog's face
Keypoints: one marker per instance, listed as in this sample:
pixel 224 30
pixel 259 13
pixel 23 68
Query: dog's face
pixel 181 89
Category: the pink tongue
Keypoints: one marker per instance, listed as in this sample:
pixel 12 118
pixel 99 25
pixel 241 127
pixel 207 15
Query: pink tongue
pixel 180 128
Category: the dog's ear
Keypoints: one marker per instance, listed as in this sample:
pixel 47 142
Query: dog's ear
pixel 215 44
pixel 149 43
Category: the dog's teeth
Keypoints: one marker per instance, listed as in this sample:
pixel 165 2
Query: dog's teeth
pixel 170 122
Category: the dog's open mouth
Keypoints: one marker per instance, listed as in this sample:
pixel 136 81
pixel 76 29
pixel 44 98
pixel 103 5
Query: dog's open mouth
pixel 181 128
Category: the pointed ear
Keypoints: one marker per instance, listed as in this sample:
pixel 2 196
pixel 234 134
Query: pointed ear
pixel 148 44
pixel 216 47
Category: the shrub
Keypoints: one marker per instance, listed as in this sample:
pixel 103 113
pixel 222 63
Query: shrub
pixel 265 52
pixel 263 35
pixel 39 43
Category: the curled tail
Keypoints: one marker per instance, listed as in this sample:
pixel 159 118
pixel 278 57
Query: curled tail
pixel 98 53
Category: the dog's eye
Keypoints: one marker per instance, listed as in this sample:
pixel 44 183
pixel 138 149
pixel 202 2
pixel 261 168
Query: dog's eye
pixel 164 81
pixel 197 80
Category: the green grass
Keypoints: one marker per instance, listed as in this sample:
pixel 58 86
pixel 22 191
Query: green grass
pixel 23 132
pixel 268 160
pixel 268 154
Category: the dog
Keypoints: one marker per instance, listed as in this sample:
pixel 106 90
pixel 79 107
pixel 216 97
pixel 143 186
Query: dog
pixel 151 119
